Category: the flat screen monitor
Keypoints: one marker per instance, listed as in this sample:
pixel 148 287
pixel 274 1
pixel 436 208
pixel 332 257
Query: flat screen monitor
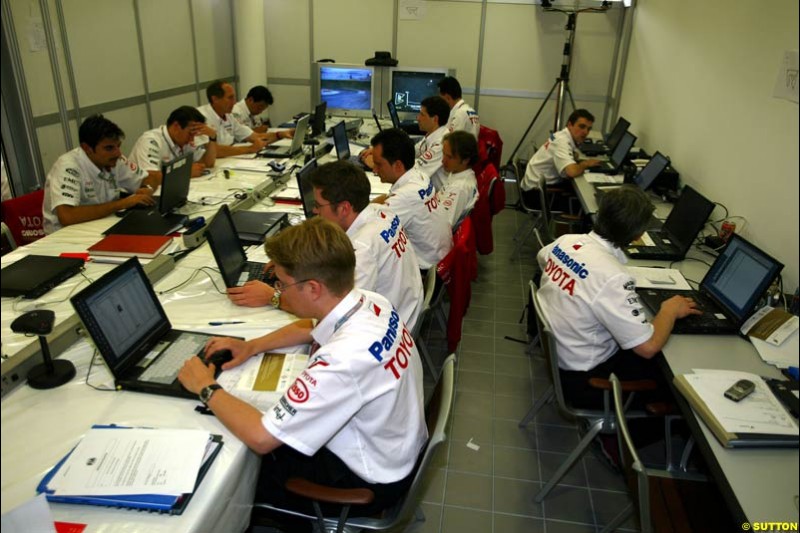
pixel 411 86
pixel 346 89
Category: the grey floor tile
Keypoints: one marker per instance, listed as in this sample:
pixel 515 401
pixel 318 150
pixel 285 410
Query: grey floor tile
pixel 457 520
pixel 513 386
pixel 432 522
pixel 558 439
pixel 601 476
pixel 516 463
pixel 485 314
pixel 433 486
pixel 511 348
pixel 471 427
pixel 558 526
pixel 466 459
pixel 471 343
pixel 514 496
pixel 515 331
pixel 551 462
pixel 509 302
pixel 508 316
pixel 607 505
pixel 468 490
pixel 475 381
pixel 485 288
pixel 483 300
pixel 475 362
pixel 507 433
pixel 474 404
pixel 513 366
pixel 478 328
pixel 511 407
pixel 550 416
pixel 569 503
pixel 504 523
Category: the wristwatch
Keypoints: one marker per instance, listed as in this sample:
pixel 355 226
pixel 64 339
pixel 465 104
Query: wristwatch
pixel 208 392
pixel 276 299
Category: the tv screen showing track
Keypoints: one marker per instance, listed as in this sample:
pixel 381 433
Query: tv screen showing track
pixel 346 88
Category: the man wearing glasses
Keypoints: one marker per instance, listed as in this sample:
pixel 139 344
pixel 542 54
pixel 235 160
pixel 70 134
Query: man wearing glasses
pixel 354 417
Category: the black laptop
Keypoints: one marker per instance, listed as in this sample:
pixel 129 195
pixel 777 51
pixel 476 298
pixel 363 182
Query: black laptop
pixel 645 177
pixel 34 275
pixel 228 252
pixel 618 156
pixel 253 227
pixel 409 126
pixel 127 323
pixel 675 237
pixel 342 145
pixel 176 176
pixel 306 190
pixel 294 147
pixel 728 293
pixel 318 120
pixel 611 140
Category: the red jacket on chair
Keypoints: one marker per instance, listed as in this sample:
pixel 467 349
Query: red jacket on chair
pixel 23 216
pixel 457 270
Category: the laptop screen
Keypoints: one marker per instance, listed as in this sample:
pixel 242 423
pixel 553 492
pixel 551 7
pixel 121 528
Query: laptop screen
pixel 739 277
pixel 651 171
pixel 225 245
pixel 123 315
pixel 616 134
pixel 306 190
pixel 687 217
pixel 341 142
pixel 318 122
pixel 621 151
pixel 175 178
pixel 393 114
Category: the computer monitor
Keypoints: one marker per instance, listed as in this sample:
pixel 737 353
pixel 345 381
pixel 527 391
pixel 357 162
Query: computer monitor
pixel 346 89
pixel 410 86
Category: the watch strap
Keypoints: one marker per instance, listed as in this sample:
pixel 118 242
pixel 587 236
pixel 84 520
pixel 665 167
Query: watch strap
pixel 207 392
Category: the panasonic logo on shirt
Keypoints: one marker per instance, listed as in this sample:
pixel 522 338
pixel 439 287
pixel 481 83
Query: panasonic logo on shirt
pixel 392 231
pixel 570 263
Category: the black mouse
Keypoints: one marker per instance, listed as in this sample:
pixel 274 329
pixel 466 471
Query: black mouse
pixel 219 358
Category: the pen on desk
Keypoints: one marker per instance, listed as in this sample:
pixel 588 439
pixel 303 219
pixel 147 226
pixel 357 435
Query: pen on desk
pixel 225 322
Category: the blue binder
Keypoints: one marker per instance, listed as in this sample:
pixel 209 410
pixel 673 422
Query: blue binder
pixel 167 504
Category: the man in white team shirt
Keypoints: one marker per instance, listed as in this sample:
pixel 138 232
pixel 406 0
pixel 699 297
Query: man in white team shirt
pixel 355 416
pixel 176 138
pixel 218 113
pixel 250 110
pixel 590 301
pixel 85 183
pixel 462 116
pixel 432 119
pixel 459 190
pixel 411 197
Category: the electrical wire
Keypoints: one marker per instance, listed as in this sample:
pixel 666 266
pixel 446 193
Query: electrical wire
pixel 88 372
pixel 38 305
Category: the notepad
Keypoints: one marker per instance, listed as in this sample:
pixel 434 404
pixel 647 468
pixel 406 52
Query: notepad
pixel 118 245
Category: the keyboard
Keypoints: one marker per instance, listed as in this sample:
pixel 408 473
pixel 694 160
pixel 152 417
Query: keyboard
pixel 165 368
pixel 252 271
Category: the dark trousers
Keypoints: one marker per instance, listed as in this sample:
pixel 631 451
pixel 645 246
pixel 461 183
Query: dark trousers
pixel 324 468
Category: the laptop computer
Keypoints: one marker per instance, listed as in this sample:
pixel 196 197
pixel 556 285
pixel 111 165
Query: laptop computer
pixel 306 190
pixel 233 265
pixel 284 151
pixel 676 235
pixel 645 177
pixel 127 323
pixel 342 145
pixel 618 156
pixel 728 293
pixel 253 227
pixel 409 126
pixel 176 176
pixel 318 120
pixel 611 140
pixel 34 275
pixel 377 122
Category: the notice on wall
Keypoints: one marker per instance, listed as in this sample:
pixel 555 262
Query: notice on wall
pixel 36 38
pixel 786 84
pixel 412 9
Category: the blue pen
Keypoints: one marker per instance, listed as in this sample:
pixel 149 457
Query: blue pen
pixel 225 323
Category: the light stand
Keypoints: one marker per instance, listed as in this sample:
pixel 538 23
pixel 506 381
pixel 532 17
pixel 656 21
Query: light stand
pixel 49 374
pixel 561 85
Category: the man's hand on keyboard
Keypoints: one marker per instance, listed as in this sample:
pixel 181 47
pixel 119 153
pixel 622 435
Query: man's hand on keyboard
pixel 195 375
pixel 680 307
pixel 240 351
pixel 251 294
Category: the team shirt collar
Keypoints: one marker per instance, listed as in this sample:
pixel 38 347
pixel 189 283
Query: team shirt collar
pixel 609 246
pixel 326 327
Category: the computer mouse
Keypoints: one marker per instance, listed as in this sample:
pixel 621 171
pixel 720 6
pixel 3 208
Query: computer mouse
pixel 219 358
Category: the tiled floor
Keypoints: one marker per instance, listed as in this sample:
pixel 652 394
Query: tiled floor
pixel 491 489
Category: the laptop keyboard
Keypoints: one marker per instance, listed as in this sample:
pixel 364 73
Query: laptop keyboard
pixel 165 368
pixel 252 271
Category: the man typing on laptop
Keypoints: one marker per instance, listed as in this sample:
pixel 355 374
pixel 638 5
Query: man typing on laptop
pixel 339 423
pixel 594 312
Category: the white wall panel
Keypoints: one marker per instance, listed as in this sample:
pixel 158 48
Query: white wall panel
pixel 167 40
pixel 162 107
pixel 214 39
pixel 350 31
pixel 287 38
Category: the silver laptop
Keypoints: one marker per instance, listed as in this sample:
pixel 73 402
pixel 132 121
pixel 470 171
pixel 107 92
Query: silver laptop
pixel 295 146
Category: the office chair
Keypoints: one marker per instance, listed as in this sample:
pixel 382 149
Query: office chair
pixel 437 415
pixel 8 243
pixel 536 217
pixel 429 289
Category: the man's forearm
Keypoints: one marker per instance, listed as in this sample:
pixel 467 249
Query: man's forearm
pixel 68 215
pixel 228 151
pixel 298 332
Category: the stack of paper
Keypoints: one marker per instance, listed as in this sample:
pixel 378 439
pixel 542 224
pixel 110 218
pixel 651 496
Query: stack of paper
pixel 774 333
pixel 659 278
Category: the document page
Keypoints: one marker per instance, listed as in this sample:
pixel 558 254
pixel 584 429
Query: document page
pixel 760 412
pixel 263 379
pixel 659 278
pixel 132 461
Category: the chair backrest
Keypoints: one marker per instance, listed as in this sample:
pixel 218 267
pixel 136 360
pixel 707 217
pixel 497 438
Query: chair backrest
pixel 547 232
pixel 437 415
pixel 481 213
pixel 23 216
pixel 522 198
pixel 457 270
pixel 7 239
pixel 429 285
pixel 497 195
pixel 548 348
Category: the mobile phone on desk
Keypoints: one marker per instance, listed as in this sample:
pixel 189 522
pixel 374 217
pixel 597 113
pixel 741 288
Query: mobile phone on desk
pixel 740 390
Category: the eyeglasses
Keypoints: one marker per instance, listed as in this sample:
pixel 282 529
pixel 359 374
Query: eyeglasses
pixel 320 206
pixel 281 286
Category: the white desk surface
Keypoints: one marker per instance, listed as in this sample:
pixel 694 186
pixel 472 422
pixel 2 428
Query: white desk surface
pixel 40 427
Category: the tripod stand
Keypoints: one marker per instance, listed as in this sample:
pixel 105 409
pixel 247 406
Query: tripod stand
pixel 560 87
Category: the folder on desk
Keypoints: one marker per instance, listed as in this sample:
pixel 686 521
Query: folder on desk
pixel 758 421
pixel 160 503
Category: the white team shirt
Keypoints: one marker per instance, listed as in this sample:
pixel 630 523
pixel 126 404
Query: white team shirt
pixel 463 117
pixel 458 195
pixel 429 156
pixel 241 113
pixel 229 130
pixel 74 180
pixel 413 200
pixel 590 299
pixel 361 394
pixel 386 262
pixel 155 147
pixel 550 160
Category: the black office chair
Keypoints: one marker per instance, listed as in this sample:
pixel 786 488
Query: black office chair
pixel 437 414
